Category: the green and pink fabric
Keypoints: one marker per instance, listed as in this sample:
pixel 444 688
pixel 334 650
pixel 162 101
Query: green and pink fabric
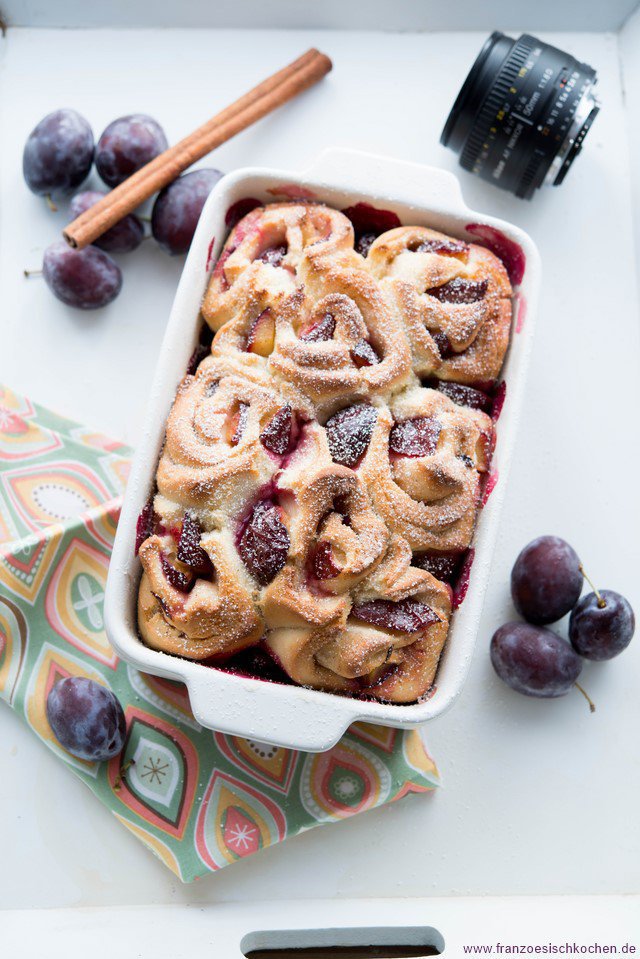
pixel 199 799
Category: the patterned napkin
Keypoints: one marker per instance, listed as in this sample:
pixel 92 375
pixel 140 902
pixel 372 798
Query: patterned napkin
pixel 200 800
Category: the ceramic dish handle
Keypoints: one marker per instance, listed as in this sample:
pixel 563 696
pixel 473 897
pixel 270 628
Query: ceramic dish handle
pixel 411 183
pixel 314 722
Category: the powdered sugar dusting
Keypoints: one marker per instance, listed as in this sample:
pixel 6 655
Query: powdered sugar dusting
pixel 305 470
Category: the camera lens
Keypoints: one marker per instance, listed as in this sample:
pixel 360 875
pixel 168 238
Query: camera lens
pixel 522 114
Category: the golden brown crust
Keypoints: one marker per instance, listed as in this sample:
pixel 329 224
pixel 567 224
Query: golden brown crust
pixel 217 618
pixel 203 463
pixel 430 500
pixel 461 335
pixel 259 533
pixel 240 275
pixel 319 276
pixel 361 658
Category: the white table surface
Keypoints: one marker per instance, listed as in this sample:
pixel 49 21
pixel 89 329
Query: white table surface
pixel 538 797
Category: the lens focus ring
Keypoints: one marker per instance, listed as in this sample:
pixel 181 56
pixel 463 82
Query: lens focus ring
pixel 494 101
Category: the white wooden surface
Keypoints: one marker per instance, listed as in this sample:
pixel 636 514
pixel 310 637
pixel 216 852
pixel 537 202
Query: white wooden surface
pixel 330 14
pixel 229 931
pixel 538 797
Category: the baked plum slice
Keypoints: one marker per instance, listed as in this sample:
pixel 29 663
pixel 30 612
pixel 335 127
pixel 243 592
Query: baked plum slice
pixel 363 354
pixel 273 255
pixel 444 566
pixel 264 542
pixel 181 580
pixel 262 334
pixel 407 616
pixel 443 343
pixel 277 434
pixel 237 423
pixel 459 290
pixel 349 433
pixel 145 524
pixel 190 552
pixel 320 332
pixel 322 565
pixel 442 247
pixel 465 396
pixel 417 436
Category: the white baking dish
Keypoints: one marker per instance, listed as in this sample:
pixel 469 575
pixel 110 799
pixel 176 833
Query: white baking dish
pixel 293 716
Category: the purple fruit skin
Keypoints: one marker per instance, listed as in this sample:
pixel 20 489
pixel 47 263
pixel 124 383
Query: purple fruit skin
pixel 190 552
pixel 459 290
pixel 58 153
pixel 86 718
pixel 264 543
pixel 364 243
pixel 534 661
pixel 406 616
pixel 320 332
pixel 178 207
pixel 465 395
pixel 417 436
pixel 124 237
pixel 444 566
pixel 349 433
pixel 546 580
pixel 86 279
pixel 276 436
pixel 274 255
pixel 601 633
pixel 363 354
pixel 126 145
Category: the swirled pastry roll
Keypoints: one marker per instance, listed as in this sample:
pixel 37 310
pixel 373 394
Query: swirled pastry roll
pixel 452 298
pixel 324 464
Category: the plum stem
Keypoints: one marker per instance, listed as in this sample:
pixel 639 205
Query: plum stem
pixel 32 272
pixel 592 705
pixel 601 601
pixel 121 775
pixel 50 203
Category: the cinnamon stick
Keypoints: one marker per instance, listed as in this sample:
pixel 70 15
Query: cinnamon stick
pixel 257 103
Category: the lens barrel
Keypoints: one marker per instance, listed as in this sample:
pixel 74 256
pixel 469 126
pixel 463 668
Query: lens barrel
pixel 522 114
